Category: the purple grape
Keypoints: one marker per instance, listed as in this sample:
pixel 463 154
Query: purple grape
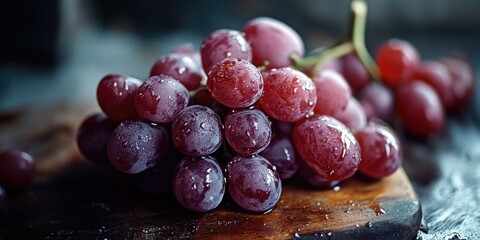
pixel 160 99
pixel 248 131
pixel 197 131
pixel 199 183
pixel 281 153
pixel 136 146
pixel 354 72
pixel 93 135
pixel 3 197
pixel 253 183
pixel 17 169
pixel 353 116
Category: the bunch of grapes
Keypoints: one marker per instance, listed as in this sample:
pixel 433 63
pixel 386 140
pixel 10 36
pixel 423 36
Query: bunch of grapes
pixel 248 110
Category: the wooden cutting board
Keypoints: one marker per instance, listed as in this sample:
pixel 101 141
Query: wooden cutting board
pixel 73 199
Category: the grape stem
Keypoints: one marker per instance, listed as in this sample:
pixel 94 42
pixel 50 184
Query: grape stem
pixel 354 43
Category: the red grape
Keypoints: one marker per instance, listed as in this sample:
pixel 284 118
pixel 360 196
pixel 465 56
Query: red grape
pixel 93 135
pixel 377 101
pixel 253 183
pixel 17 169
pixel 327 147
pixel 197 131
pixel 397 61
pixel 116 96
pixel 180 67
pixel 224 43
pixel 333 92
pixel 198 183
pixel 289 95
pixel 353 116
pixel 135 146
pixel 354 72
pixel 202 97
pixel 235 83
pixel 463 81
pixel 419 108
pixel 160 99
pixel 436 75
pixel 272 41
pixel 248 131
pixel 382 154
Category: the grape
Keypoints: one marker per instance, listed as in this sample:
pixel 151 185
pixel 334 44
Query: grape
pixel 313 179
pixel 272 41
pixel 253 183
pixel 436 75
pixel 135 146
pixel 221 44
pixel 463 80
pixel 197 131
pixel 281 153
pixel 333 92
pixel 3 198
pixel 235 83
pixel 377 101
pixel 327 147
pixel 382 153
pixel 158 179
pixel 199 184
pixel 116 96
pixel 289 95
pixel 354 72
pixel 397 61
pixel 160 99
pixel 187 49
pixel 180 67
pixel 17 169
pixel 419 108
pixel 353 116
pixel 282 127
pixel 248 131
pixel 93 135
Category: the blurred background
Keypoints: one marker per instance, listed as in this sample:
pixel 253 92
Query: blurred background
pixel 60 49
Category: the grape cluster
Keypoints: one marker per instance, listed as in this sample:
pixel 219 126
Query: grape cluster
pixel 247 111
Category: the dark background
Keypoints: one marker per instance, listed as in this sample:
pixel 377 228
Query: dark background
pixel 57 51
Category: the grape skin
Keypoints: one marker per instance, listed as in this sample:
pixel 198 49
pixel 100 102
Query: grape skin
pixel 199 183
pixel 224 43
pixel 253 183
pixel 289 95
pixel 384 154
pixel 327 147
pixel 181 67
pixel 419 108
pixel 354 72
pixel 333 92
pixel 235 83
pixel 160 99
pixel 248 131
pixel 377 101
pixel 281 153
pixel 463 81
pixel 272 41
pixel 313 179
pixel 397 61
pixel 116 96
pixel 197 131
pixel 436 75
pixel 17 169
pixel 135 146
